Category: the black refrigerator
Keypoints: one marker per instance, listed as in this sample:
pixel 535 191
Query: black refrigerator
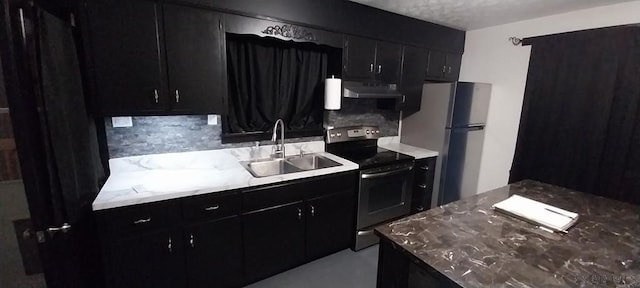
pixel 452 122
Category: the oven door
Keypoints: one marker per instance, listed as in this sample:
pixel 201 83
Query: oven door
pixel 385 193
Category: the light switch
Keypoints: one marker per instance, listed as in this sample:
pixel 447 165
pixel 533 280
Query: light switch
pixel 119 122
pixel 212 120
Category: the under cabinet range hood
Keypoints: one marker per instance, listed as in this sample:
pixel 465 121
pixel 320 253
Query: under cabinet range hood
pixel 365 91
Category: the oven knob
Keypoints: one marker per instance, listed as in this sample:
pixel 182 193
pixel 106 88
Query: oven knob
pixel 367 131
pixel 339 134
pixel 332 135
pixel 377 131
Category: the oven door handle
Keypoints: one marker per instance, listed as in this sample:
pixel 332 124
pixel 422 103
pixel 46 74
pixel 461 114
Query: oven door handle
pixel 386 173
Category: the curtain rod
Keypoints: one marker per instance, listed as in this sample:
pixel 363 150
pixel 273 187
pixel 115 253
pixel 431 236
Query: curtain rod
pixel 515 41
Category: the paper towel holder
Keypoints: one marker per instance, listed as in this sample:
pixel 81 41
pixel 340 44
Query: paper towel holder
pixel 332 93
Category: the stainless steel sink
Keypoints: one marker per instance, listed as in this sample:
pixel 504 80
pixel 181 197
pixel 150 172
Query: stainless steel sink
pixel 272 167
pixel 312 162
pixel 266 168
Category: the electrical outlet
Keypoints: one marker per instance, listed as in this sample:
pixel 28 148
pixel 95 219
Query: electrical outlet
pixel 119 122
pixel 212 120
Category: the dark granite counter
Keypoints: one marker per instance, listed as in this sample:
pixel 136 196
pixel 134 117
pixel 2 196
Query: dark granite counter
pixel 465 243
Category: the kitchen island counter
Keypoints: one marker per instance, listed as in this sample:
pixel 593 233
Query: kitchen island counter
pixel 466 244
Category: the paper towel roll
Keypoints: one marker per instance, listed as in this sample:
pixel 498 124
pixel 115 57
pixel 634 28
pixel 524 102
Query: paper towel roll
pixel 332 93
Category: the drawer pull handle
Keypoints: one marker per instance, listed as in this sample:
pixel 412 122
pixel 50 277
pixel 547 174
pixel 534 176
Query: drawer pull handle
pixel 313 210
pixel 299 214
pixel 191 241
pixel 423 186
pixel 425 168
pixel 142 221
pixel 212 208
pixel 170 246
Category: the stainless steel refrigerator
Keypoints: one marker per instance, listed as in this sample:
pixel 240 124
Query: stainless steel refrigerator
pixel 451 120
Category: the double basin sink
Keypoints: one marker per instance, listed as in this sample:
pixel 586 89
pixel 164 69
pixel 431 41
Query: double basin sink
pixel 279 166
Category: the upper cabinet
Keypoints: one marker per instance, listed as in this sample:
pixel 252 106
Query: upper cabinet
pixel 152 58
pixel 443 66
pixel 414 67
pixel 195 59
pixel 370 60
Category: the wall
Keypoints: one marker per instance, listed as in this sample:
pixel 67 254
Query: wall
pixel 490 57
pixel 165 134
pixel 9 165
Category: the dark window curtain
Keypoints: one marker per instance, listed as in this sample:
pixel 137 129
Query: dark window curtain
pixel 270 79
pixel 580 113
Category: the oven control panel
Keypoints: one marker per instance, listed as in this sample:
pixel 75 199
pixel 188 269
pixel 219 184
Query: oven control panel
pixel 352 133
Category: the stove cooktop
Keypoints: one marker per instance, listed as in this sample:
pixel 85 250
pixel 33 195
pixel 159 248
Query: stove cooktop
pixel 371 159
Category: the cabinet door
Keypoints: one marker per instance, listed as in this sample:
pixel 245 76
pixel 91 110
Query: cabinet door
pixel 330 224
pixel 194 59
pixel 273 240
pixel 437 63
pixel 453 67
pixel 126 46
pixel 388 62
pixel 359 58
pixel 414 66
pixel 151 260
pixel 214 253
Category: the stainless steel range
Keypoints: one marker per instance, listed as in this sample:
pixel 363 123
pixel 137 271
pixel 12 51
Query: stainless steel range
pixel 385 178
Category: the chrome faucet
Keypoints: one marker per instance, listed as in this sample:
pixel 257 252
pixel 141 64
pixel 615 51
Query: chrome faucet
pixel 278 148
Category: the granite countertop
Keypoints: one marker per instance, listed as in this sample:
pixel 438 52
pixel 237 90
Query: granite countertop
pixel 150 178
pixel 474 246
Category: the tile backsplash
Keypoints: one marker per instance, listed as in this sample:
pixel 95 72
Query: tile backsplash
pixel 168 134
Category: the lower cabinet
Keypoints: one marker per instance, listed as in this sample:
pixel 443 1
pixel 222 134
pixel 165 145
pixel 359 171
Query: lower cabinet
pixel 273 240
pixel 213 253
pixel 330 224
pixel 423 184
pixel 149 260
pixel 229 240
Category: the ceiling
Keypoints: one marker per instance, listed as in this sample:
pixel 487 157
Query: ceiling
pixel 475 14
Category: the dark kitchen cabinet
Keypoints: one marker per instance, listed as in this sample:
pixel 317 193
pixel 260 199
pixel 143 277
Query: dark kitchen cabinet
pixel 273 240
pixel 414 67
pixel 194 45
pixel 127 59
pixel 370 60
pixel 289 224
pixel 423 184
pixel 359 58
pixel 148 260
pixel 330 222
pixel 443 66
pixel 152 58
pixel 213 253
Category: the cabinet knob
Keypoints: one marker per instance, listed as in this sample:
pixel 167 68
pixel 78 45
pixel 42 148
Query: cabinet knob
pixel 444 69
pixel 299 214
pixel 449 69
pixel 371 68
pixel 191 242
pixel 425 168
pixel 379 69
pixel 313 210
pixel 423 186
pixel 169 246
pixel 155 95
pixel 177 96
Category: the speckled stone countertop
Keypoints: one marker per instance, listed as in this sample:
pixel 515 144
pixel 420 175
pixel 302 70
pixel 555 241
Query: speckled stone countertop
pixel 474 246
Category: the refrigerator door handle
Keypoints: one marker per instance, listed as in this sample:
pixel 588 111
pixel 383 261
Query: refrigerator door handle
pixel 468 128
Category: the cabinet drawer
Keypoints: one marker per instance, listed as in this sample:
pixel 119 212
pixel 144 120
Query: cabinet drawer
pixel 139 218
pixel 210 207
